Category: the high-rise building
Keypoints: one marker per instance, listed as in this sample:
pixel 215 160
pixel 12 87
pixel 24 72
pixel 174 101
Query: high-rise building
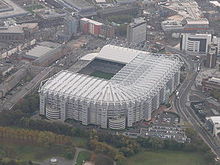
pixel 70 25
pixel 197 43
pixel 137 31
pixel 216 40
pixel 211 57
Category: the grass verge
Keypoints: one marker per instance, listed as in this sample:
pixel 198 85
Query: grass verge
pixel 83 156
pixel 166 158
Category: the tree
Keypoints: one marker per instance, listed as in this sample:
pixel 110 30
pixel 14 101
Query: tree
pixel 8 118
pixel 69 155
pixel 121 30
pixel 120 19
pixel 29 104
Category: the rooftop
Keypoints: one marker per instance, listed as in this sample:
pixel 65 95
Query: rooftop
pixel 15 10
pixel 4 6
pixel 89 57
pixel 78 3
pixel 138 21
pixel 100 1
pixel 197 21
pixel 125 1
pixel 117 54
pixel 187 9
pixel 91 21
pixel 41 49
pixel 48 14
pixel 12 29
pixel 17 28
pixel 38 51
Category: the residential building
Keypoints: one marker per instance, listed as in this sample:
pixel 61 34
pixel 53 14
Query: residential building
pixel 18 32
pixel 107 31
pixel 89 26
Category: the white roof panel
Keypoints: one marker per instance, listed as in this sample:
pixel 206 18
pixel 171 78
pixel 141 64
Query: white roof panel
pixel 117 54
pixel 144 74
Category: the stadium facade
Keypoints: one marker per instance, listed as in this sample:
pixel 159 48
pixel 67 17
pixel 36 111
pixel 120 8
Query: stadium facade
pixel 132 94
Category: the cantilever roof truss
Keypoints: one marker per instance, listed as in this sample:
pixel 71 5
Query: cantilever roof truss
pixel 143 76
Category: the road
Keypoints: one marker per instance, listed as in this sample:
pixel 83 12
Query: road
pixel 10 103
pixel 186 112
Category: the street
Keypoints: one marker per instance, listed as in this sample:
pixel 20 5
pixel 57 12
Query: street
pixel 185 111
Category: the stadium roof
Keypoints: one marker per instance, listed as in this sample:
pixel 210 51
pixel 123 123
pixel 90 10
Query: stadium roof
pixel 117 54
pixel 79 4
pixel 214 119
pixel 89 57
pixel 216 3
pixel 142 77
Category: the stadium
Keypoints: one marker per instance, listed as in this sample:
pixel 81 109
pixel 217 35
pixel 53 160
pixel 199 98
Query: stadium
pixel 119 87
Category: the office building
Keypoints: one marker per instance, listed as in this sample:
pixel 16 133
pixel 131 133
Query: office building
pixel 70 25
pixel 196 24
pixel 137 31
pixel 197 43
pixel 211 56
pixel 216 41
pixel 211 84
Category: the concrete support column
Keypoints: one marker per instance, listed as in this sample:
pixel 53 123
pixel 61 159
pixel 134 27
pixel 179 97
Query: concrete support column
pixel 104 117
pixel 42 104
pixel 130 115
pixel 162 95
pixel 84 113
pixel 173 84
pixel 157 100
pixel 148 110
pixel 63 109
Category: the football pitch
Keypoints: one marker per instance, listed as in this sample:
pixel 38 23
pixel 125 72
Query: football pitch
pixel 103 75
